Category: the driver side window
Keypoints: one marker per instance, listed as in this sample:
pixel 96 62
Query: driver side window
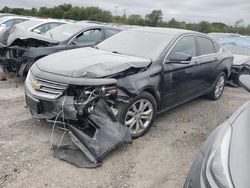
pixel 185 46
pixel 93 35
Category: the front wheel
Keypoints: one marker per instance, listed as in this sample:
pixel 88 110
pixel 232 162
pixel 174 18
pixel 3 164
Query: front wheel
pixel 218 89
pixel 138 115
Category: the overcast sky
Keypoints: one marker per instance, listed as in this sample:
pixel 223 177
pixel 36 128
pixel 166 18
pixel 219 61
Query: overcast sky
pixel 227 11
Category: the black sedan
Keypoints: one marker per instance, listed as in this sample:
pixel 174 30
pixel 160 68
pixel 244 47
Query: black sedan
pixel 223 161
pixel 139 72
pixel 23 48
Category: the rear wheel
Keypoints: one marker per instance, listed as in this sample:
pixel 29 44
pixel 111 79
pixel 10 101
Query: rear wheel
pixel 138 115
pixel 218 89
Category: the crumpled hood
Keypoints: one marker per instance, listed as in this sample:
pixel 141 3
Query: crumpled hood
pixel 21 37
pixel 89 62
pixel 240 59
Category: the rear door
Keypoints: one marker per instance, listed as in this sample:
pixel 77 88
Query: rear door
pixel 209 59
pixel 180 79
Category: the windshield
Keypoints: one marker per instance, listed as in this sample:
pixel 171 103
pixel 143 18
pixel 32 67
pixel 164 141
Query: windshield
pixel 137 43
pixel 30 24
pixel 64 32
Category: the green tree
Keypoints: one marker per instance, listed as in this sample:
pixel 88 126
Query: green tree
pixel 154 18
pixel 135 19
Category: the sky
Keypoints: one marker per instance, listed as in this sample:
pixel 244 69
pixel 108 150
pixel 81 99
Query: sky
pixel 226 11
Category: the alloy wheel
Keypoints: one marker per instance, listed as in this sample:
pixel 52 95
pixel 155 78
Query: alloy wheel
pixel 219 86
pixel 139 116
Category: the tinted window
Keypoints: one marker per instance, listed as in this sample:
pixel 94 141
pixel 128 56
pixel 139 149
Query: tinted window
pixel 110 32
pixel 92 35
pixel 185 45
pixel 205 46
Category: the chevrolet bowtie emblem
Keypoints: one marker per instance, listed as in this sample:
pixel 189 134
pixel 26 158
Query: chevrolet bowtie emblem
pixel 35 85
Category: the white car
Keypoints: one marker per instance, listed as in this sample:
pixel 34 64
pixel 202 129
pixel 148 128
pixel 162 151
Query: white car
pixel 40 26
pixel 8 21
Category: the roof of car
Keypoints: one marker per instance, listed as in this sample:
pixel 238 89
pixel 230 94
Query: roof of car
pixel 14 17
pixel 82 25
pixel 163 30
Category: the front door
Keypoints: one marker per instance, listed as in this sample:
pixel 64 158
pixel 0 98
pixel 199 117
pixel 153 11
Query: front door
pixel 180 78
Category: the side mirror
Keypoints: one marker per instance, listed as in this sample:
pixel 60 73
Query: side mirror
pixel 179 57
pixel 37 31
pixel 244 81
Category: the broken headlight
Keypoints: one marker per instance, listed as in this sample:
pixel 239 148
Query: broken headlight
pixel 216 171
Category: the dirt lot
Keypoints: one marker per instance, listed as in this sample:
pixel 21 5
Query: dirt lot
pixel 159 159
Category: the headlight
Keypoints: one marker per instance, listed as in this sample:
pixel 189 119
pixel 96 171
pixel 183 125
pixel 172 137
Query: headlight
pixel 216 169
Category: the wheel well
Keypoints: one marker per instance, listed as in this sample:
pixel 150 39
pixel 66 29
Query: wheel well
pixel 153 93
pixel 226 72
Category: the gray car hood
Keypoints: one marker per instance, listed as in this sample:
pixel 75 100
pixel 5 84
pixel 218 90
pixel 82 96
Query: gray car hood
pixel 89 62
pixel 240 59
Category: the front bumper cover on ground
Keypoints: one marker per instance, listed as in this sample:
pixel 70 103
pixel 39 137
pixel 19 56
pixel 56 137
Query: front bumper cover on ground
pixel 95 137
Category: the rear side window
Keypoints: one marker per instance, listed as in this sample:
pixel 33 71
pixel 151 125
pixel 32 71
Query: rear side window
pixel 110 32
pixel 185 45
pixel 206 46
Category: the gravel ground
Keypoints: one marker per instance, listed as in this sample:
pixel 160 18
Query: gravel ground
pixel 161 158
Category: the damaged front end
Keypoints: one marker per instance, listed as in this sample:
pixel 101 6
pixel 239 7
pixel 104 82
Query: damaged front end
pixel 240 66
pixel 85 111
pixel 15 42
pixel 236 72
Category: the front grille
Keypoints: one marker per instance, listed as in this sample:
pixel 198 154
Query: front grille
pixel 51 87
pixel 45 88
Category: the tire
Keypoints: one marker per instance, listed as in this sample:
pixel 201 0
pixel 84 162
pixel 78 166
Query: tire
pixel 219 86
pixel 138 114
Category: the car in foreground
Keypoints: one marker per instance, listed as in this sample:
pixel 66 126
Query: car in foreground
pixel 141 71
pixel 9 21
pixel 27 47
pixel 223 161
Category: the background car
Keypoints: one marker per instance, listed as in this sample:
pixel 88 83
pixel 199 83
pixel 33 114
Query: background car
pixel 240 47
pixel 63 37
pixel 223 161
pixel 8 21
pixel 40 26
pixel 154 69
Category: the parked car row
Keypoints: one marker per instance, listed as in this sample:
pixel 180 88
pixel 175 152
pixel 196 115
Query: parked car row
pixel 31 40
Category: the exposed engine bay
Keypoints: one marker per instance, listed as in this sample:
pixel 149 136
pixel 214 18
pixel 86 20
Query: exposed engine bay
pixel 14 42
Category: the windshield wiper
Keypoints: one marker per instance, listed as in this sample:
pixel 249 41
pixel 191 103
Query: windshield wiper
pixel 115 52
